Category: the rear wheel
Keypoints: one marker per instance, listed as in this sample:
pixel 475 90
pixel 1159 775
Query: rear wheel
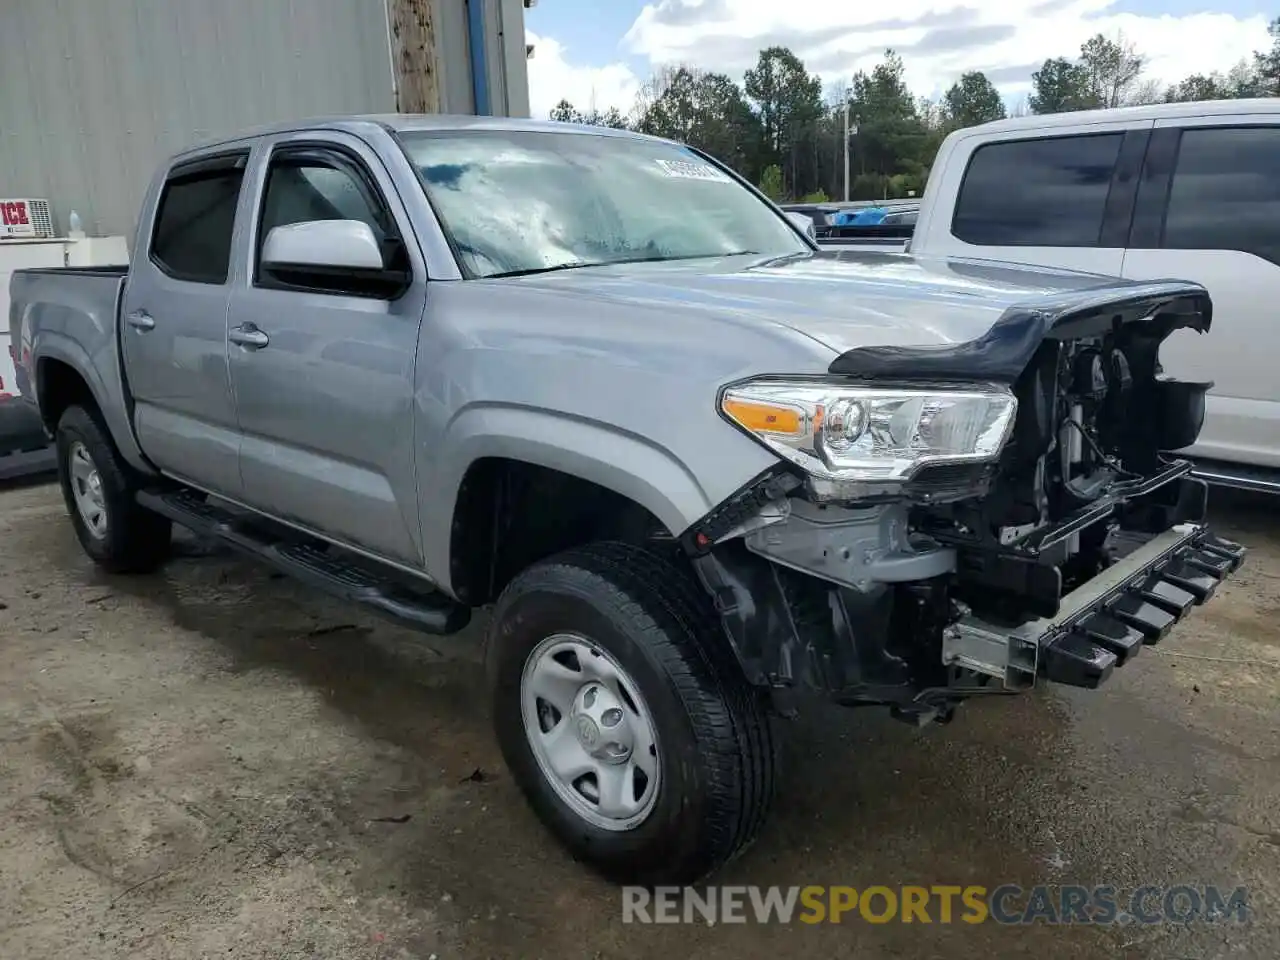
pixel 99 489
pixel 625 718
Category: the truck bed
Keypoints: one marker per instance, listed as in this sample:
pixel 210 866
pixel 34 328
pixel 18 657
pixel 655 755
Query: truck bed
pixel 893 237
pixel 106 271
pixel 63 313
pixel 864 243
pixel 22 435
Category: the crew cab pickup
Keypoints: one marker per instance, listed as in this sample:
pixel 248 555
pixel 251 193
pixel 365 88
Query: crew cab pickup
pixel 700 469
pixel 1168 190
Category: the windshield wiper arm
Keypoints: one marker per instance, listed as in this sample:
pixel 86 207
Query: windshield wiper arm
pixel 529 271
pixel 574 264
pixel 691 256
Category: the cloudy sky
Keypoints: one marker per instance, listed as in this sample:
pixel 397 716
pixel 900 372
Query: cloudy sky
pixel 597 52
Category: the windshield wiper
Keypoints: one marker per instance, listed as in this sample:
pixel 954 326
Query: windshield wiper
pixel 575 264
pixel 698 256
pixel 529 271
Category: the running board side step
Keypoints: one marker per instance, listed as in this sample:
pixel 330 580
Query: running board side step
pixel 1237 476
pixel 1105 622
pixel 311 561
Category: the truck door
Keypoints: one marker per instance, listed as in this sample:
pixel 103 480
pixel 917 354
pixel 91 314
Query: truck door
pixel 174 324
pixel 322 362
pixel 1209 211
pixel 1052 197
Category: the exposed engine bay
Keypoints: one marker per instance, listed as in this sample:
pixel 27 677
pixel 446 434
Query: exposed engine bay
pixel 1081 543
pixel 1084 460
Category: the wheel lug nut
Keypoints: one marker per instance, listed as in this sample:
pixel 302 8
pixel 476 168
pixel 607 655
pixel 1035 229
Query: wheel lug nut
pixel 611 717
pixel 590 697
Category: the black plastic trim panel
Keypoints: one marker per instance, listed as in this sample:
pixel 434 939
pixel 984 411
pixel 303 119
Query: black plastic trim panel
pixel 1083 650
pixel 773 484
pixel 1003 352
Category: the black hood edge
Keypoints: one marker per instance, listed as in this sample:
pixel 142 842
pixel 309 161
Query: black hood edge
pixel 1003 352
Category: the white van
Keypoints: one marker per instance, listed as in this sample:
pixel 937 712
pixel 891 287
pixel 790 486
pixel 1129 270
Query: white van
pixel 1182 190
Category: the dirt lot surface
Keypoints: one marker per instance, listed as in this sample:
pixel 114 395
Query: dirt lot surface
pixel 215 762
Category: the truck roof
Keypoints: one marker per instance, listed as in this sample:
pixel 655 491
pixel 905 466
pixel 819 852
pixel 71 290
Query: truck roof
pixel 1155 111
pixel 404 122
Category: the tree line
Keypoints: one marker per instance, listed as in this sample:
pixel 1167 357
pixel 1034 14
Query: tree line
pixel 782 131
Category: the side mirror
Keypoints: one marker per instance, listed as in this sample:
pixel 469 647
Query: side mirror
pixel 326 244
pixel 334 256
pixel 804 223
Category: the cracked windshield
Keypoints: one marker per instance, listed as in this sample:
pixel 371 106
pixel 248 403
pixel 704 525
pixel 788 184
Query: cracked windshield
pixel 517 203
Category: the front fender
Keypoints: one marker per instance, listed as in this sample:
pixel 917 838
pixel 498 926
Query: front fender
pixel 629 465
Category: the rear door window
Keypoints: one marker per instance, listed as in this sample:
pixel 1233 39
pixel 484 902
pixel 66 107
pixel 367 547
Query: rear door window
pixel 195 220
pixel 1037 193
pixel 1225 193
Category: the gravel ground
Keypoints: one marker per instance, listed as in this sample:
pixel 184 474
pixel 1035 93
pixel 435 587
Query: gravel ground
pixel 213 761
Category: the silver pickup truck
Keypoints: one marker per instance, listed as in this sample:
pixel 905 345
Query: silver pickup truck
pixel 700 469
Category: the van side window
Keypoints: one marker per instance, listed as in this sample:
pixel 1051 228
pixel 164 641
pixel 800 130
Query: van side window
pixel 194 220
pixel 1049 192
pixel 1225 193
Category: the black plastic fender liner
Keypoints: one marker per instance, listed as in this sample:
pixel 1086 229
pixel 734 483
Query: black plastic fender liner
pixel 1003 352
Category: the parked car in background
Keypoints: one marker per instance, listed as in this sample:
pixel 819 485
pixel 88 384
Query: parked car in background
pixel 1185 190
pixel 20 426
pixel 24 444
pixel 700 468
pixel 859 222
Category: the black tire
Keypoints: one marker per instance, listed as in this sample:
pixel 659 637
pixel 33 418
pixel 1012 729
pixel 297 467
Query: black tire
pixel 135 539
pixel 717 744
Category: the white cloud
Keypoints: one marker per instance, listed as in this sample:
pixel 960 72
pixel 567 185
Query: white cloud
pixel 937 39
pixel 553 78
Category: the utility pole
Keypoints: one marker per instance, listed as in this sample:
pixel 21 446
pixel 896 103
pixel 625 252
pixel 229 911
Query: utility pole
pixel 411 34
pixel 846 148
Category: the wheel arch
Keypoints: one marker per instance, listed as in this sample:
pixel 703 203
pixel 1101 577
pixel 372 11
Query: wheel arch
pixel 65 374
pixel 637 477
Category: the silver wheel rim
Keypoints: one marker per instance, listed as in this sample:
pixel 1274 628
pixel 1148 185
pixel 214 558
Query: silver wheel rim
pixel 86 490
pixel 591 732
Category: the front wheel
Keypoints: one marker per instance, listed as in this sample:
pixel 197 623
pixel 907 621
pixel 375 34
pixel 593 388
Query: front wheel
pixel 99 489
pixel 625 718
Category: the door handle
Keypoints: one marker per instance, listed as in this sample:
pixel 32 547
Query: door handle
pixel 140 320
pixel 247 335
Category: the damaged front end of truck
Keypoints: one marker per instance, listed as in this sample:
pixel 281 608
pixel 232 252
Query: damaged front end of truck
pixel 946 522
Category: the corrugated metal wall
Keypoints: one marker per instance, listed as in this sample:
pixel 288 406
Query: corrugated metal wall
pixel 509 63
pixel 94 93
pixel 506 63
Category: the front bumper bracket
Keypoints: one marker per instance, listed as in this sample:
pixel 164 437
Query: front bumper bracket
pixel 1105 622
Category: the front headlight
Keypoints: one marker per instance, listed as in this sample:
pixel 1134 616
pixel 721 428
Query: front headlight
pixel 864 433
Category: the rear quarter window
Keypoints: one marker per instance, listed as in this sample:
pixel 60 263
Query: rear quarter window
pixel 1049 192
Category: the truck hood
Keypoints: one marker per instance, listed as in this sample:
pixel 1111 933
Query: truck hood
pixel 883 313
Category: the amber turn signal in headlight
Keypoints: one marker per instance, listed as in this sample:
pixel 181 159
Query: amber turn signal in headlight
pixel 841 432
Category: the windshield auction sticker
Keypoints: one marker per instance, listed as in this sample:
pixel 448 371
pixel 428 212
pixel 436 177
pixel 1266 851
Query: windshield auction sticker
pixel 691 170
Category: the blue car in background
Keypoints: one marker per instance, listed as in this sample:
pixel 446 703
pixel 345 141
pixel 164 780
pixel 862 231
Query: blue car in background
pixel 865 217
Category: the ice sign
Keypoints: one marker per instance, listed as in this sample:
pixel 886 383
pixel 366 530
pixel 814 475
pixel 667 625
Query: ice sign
pixel 691 170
